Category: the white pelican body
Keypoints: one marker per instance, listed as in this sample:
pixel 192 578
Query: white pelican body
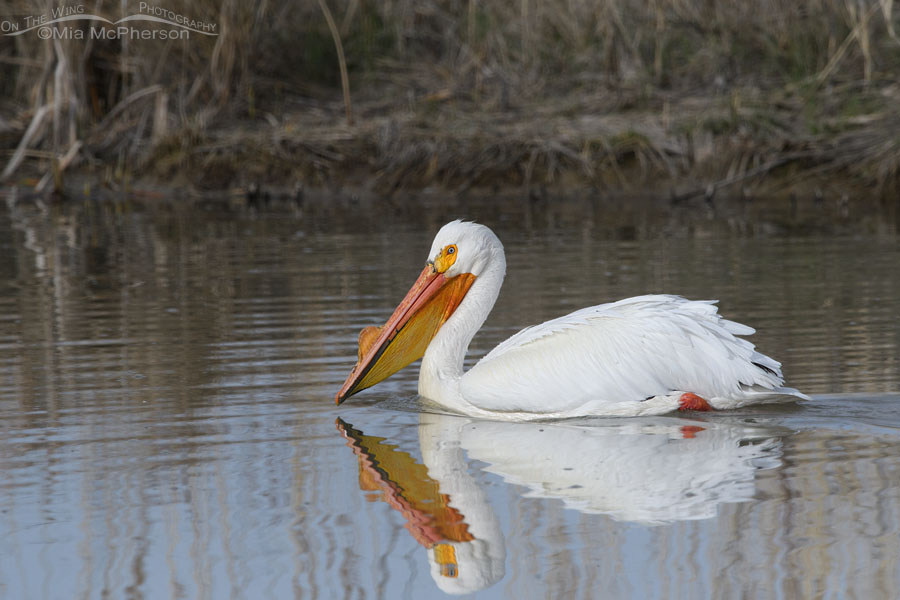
pixel 640 356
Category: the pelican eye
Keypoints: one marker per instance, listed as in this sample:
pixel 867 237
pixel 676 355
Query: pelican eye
pixel 445 258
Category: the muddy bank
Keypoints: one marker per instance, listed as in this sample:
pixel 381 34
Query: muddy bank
pixel 746 143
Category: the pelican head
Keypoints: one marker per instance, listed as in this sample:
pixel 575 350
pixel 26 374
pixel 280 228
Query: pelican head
pixel 460 253
pixel 463 248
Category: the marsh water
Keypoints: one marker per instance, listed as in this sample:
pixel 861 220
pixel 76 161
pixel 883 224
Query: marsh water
pixel 168 429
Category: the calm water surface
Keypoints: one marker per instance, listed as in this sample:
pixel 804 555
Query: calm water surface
pixel 167 426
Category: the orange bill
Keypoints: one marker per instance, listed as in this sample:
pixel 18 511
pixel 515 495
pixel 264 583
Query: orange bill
pixel 403 339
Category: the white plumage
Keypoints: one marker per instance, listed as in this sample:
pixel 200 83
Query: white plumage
pixel 637 356
pixel 606 358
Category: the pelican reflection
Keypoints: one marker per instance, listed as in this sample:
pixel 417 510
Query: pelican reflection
pixel 647 471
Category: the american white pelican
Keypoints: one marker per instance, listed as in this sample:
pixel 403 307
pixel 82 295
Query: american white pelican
pixel 639 356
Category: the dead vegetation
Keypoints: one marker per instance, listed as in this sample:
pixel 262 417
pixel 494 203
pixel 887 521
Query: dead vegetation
pixel 464 94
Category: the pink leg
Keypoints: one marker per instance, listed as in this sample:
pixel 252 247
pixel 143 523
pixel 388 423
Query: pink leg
pixel 689 401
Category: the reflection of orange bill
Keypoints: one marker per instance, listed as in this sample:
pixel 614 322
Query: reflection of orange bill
pixel 406 486
pixel 403 339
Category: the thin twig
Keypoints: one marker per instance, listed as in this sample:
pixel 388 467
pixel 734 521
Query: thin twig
pixel 710 190
pixel 33 128
pixel 845 45
pixel 107 120
pixel 345 81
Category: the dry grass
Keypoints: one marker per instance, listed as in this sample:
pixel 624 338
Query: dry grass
pixel 463 94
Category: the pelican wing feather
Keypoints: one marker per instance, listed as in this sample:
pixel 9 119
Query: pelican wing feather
pixel 624 351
